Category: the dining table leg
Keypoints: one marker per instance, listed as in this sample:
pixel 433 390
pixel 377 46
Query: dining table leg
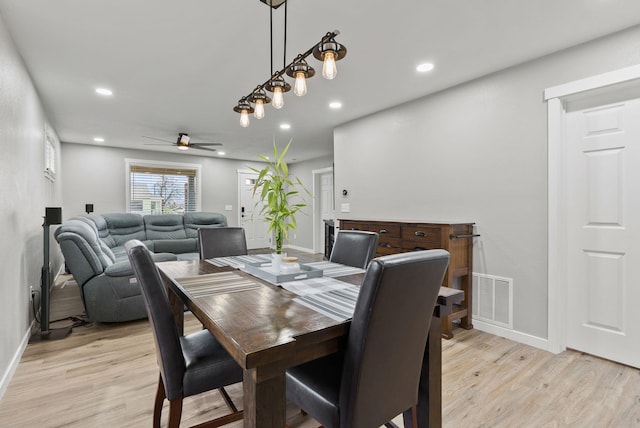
pixel 264 399
pixel 429 408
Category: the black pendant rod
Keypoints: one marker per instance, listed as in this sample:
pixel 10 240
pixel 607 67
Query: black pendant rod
pixel 284 57
pixel 304 55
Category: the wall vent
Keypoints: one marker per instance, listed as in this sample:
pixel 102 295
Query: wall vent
pixel 493 299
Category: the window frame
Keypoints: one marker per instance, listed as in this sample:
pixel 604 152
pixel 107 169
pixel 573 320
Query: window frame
pixel 162 164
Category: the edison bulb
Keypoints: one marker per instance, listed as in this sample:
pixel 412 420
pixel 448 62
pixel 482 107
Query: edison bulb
pixel 278 97
pixel 244 118
pixel 329 69
pixel 259 109
pixel 300 85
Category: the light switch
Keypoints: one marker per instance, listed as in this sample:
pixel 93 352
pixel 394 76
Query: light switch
pixel 345 208
pixel 228 207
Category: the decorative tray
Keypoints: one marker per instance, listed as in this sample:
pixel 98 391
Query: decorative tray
pixel 265 271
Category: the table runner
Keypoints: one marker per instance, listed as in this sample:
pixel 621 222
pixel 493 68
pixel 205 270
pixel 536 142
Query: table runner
pixel 335 269
pixel 337 304
pixel 238 262
pixel 217 283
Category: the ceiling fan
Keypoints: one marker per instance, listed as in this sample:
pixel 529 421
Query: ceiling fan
pixel 184 143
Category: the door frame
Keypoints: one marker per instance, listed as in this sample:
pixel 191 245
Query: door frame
pixel 317 245
pixel 557 98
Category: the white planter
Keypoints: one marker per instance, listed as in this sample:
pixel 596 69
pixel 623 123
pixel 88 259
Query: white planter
pixel 276 261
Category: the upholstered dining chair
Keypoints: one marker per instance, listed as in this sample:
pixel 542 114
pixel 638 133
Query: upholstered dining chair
pixel 376 377
pixel 189 365
pixel 221 242
pixel 354 248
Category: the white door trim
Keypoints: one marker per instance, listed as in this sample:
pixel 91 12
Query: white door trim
pixel 317 246
pixel 557 98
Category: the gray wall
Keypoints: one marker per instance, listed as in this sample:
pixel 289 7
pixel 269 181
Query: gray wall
pixel 24 194
pixel 97 175
pixel 476 152
pixel 304 171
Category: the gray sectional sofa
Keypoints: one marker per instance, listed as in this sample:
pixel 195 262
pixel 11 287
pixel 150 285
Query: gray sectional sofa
pixel 93 249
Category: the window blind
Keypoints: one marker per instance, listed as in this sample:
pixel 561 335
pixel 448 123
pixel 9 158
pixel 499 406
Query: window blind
pixel 162 189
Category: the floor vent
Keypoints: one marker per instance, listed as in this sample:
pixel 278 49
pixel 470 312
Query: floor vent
pixel 493 299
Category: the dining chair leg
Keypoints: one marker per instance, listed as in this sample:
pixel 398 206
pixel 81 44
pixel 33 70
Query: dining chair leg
pixel 157 406
pixel 175 412
pixel 227 399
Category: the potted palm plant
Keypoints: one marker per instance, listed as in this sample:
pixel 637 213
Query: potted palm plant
pixel 279 197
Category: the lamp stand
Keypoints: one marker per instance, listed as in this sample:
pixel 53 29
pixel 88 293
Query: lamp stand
pixel 45 297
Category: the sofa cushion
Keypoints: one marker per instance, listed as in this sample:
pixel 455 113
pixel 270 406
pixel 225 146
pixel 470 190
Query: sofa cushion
pixel 164 226
pixel 195 221
pixel 176 246
pixel 124 227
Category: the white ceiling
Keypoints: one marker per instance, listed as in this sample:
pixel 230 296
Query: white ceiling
pixel 181 66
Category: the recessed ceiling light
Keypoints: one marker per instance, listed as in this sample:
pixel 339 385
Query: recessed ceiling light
pixel 221 153
pixel 285 126
pixel 335 105
pixel 98 140
pixel 424 67
pixel 104 91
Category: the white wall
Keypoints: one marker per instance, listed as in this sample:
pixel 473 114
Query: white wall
pixel 24 194
pixel 476 152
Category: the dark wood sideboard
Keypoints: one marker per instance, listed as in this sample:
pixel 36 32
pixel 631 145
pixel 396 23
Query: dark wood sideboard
pixel 457 238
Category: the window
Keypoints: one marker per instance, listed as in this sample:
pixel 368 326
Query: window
pixel 162 187
pixel 50 143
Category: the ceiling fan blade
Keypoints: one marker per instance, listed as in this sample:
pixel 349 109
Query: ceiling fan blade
pixel 205 144
pixel 159 139
pixel 158 144
pixel 192 146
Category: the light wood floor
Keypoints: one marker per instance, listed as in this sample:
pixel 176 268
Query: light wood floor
pixel 105 376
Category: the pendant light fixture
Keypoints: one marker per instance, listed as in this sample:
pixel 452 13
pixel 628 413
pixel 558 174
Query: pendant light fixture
pixel 327 50
pixel 244 108
pixel 300 70
pixel 259 98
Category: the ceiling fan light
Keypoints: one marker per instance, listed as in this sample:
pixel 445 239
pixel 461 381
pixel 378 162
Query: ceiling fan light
pixel 183 147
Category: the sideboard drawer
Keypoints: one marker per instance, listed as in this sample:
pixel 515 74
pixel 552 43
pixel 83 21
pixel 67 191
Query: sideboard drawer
pixel 421 236
pixel 353 225
pixel 389 245
pixel 385 229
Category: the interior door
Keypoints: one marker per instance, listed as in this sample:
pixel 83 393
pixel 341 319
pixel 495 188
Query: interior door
pixel 255 228
pixel 603 232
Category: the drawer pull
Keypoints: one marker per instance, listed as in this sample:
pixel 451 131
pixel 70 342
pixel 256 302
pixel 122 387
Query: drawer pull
pixel 383 231
pixel 384 245
pixel 420 233
pixel 354 228
pixel 418 249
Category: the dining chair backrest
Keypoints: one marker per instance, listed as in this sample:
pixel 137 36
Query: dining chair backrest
pixel 388 335
pixel 221 242
pixel 165 332
pixel 354 248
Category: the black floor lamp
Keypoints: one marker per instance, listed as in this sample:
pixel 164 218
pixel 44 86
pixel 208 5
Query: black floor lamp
pixel 53 215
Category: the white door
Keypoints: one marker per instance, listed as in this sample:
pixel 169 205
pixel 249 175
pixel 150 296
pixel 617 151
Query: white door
pixel 255 228
pixel 603 228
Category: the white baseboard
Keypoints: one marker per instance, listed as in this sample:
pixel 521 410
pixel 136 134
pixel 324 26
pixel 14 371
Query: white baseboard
pixel 8 374
pixel 527 339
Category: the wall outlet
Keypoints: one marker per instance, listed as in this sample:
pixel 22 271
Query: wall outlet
pixel 228 207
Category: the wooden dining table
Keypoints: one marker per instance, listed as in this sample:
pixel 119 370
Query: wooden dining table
pixel 266 332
